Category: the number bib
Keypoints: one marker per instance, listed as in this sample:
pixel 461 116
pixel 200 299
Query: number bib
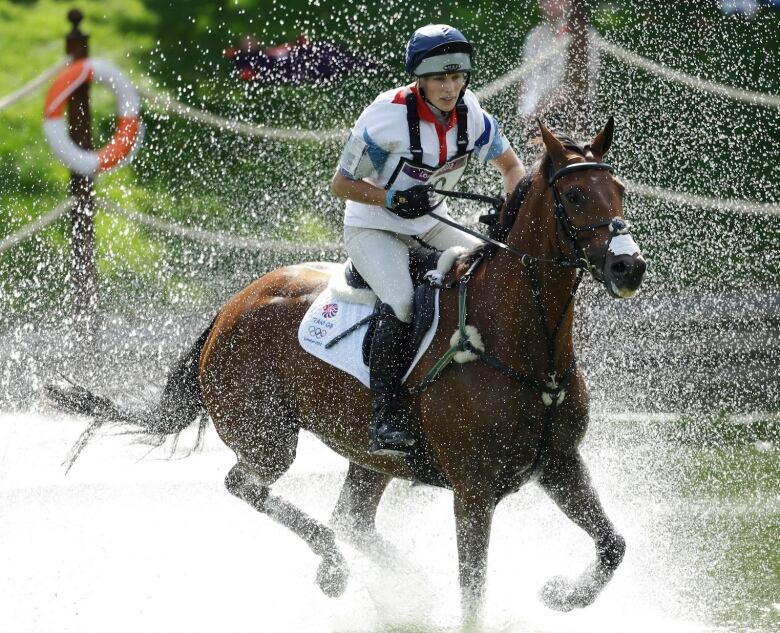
pixel 408 174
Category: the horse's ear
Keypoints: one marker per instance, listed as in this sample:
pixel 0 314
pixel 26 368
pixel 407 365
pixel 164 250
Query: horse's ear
pixel 555 149
pixel 600 145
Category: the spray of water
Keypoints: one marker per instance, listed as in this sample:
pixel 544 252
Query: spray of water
pixel 685 432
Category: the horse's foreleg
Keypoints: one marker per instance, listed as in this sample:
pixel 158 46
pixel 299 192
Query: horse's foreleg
pixel 566 479
pixel 473 520
pixel 332 572
pixel 354 516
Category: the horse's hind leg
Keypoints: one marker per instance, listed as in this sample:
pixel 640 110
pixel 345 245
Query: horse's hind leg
pixel 354 516
pixel 332 572
pixel 265 441
pixel 356 507
pixel 566 479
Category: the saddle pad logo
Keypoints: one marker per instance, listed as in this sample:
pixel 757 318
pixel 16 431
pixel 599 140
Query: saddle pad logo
pixel 317 332
pixel 328 319
pixel 330 310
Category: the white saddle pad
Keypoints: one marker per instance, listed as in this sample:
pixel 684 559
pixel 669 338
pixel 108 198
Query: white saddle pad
pixel 329 316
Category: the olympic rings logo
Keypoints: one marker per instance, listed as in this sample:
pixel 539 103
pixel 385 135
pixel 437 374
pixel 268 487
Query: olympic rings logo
pixel 317 332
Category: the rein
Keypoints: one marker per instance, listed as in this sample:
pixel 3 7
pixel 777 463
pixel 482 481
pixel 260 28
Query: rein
pixel 554 390
pixel 525 258
pixel 496 202
pixel 493 201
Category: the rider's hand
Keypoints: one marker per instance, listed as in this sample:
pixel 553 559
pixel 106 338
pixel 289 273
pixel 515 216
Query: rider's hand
pixel 411 203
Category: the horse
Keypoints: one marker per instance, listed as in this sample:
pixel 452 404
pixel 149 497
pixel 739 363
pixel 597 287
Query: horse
pixel 514 410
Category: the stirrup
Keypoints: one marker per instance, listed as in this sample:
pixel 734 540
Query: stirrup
pixel 397 444
pixel 386 439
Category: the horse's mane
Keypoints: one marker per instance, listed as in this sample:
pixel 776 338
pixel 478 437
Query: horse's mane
pixel 542 165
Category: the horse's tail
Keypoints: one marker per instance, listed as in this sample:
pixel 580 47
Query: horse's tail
pixel 180 404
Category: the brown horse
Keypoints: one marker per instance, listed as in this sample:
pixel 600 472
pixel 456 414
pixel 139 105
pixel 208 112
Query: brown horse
pixel 518 411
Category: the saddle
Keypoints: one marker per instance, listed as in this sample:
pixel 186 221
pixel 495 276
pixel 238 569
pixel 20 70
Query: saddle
pixel 421 261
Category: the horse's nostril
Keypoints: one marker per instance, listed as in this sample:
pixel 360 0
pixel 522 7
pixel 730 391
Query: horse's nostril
pixel 619 269
pixel 627 271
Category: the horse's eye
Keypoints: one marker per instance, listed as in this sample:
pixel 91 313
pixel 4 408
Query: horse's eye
pixel 575 196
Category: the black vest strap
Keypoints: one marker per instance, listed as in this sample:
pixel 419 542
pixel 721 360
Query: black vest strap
pixel 413 119
pixel 462 114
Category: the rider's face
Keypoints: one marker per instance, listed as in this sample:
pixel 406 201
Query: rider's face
pixel 443 90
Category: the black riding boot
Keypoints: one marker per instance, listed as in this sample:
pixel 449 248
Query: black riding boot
pixel 390 356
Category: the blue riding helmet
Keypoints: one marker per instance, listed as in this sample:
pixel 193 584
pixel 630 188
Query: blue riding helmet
pixel 436 49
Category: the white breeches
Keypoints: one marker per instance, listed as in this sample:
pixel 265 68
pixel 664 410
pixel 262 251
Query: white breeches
pixel 382 259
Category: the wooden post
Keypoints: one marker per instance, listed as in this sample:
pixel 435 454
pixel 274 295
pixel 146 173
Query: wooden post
pixel 82 188
pixel 578 69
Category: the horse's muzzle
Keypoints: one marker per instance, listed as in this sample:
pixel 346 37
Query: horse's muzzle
pixel 623 274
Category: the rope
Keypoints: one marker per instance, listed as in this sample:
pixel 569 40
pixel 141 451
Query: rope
pixel 702 202
pixel 218 238
pixel 514 76
pixel 169 104
pixel 33 84
pixel 736 94
pixel 36 225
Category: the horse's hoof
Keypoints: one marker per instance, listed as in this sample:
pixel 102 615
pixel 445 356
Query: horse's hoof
pixel 556 593
pixel 332 575
pixel 564 594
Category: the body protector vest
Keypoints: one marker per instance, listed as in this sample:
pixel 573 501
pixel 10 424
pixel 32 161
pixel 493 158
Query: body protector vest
pixel 413 172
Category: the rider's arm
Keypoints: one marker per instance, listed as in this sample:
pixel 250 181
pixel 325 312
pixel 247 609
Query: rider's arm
pixel 408 204
pixel 357 190
pixel 361 157
pixel 512 170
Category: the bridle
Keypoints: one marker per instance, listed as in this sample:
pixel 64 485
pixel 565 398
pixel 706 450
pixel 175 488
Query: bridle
pixel 564 225
pixel 554 389
pixel 617 226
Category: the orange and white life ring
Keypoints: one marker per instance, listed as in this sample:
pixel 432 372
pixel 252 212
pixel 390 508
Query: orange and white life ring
pixel 127 137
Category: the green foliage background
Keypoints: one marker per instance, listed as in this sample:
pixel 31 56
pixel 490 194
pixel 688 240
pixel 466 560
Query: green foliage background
pixel 668 135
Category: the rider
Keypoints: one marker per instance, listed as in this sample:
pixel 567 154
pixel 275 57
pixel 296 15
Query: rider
pixel 407 143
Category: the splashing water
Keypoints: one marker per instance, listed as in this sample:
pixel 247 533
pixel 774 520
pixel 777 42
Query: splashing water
pixel 160 545
pixel 685 431
pixel 130 532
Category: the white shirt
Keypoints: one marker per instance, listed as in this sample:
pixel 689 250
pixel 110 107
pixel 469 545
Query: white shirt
pixel 379 141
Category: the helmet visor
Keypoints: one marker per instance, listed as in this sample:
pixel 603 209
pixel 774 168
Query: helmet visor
pixel 441 64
